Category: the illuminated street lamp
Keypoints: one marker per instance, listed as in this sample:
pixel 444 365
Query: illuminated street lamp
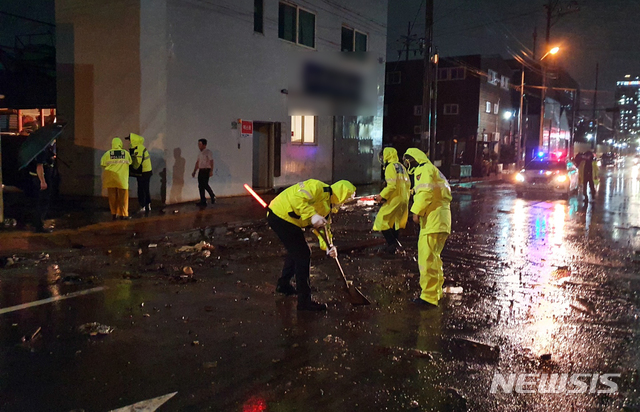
pixel 543 94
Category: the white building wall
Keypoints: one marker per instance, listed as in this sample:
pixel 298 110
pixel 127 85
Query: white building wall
pixel 199 67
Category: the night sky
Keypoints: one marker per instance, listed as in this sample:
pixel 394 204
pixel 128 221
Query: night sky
pixel 602 31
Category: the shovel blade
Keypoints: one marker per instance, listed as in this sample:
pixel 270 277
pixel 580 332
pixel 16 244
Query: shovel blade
pixel 356 298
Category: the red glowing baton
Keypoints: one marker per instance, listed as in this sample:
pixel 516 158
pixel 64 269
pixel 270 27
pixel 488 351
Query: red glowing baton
pixel 255 195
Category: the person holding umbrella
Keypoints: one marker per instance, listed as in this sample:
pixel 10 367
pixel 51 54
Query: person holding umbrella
pixel 37 154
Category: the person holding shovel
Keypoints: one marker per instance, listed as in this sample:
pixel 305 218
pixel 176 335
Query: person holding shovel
pixel 304 204
pixel 431 210
pixel 394 212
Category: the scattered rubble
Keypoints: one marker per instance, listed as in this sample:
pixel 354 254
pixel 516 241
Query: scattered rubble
pixel 95 329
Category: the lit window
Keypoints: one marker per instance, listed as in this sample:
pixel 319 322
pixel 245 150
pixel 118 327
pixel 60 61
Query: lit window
pixel 496 108
pixel 487 107
pixel 493 77
pixel 303 129
pixel 296 25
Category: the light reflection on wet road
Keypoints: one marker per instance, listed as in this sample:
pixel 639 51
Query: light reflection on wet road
pixel 541 277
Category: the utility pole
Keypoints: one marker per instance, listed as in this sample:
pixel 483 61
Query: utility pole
pixel 425 142
pixel 434 106
pixel 1 188
pixel 535 42
pixel 550 8
pixel 595 104
pixel 520 128
pixel 407 43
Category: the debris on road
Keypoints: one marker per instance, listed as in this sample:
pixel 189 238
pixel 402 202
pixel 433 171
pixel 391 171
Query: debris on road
pixel 29 338
pixel 53 274
pixel 199 247
pixel 453 290
pixel 95 328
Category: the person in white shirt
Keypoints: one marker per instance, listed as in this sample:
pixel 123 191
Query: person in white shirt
pixel 204 167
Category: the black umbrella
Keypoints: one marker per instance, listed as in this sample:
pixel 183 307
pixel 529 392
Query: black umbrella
pixel 36 142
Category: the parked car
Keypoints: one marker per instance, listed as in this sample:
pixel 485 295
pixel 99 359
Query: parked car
pixel 557 177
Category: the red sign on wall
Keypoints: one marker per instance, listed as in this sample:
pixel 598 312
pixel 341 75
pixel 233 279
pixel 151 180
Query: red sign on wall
pixel 247 128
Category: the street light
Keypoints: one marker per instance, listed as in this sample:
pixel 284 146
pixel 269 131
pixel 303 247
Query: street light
pixel 543 93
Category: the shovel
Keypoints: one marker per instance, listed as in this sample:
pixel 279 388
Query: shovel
pixel 356 297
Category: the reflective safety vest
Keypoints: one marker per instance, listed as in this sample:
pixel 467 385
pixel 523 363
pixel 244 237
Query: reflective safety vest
pixel 394 212
pixel 431 195
pixel 116 166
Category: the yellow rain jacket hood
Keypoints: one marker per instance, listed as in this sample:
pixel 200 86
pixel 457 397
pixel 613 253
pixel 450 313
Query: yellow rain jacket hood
pixel 116 166
pixel 431 196
pixel 140 153
pixel 395 211
pixel 297 203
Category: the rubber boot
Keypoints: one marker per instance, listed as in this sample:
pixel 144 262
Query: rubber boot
pixel 285 288
pixel 305 303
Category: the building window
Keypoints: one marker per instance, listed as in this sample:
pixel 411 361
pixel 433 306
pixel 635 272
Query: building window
pixel 457 73
pixel 451 109
pixel 492 77
pixel 496 108
pixel 487 107
pixel 454 73
pixel 303 129
pixel 393 77
pixel 504 82
pixel 353 40
pixel 417 129
pixel 258 16
pixel 296 25
pixel 417 110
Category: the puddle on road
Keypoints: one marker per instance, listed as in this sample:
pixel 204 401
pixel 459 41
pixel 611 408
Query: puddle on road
pixel 546 288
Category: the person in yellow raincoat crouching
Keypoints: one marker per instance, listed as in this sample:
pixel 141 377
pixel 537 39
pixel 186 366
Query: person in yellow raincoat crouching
pixel 304 204
pixel 394 212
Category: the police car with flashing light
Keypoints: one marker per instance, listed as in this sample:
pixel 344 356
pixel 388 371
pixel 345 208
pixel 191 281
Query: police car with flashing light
pixel 546 174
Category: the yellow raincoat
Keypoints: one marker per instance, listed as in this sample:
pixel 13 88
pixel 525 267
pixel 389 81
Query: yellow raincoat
pixel 299 202
pixel 116 166
pixel 431 200
pixel 395 211
pixel 596 172
pixel 141 154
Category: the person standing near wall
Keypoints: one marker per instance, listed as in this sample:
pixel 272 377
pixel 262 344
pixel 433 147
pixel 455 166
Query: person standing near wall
pixel 40 172
pixel 204 167
pixel 141 169
pixel 115 178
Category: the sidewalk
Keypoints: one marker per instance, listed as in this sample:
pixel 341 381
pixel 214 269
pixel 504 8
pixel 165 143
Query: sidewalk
pixel 86 222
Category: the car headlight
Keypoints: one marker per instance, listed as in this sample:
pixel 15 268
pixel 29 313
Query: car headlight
pixel 548 173
pixel 561 178
pixel 519 177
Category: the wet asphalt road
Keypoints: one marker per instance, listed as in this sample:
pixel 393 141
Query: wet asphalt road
pixel 549 286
